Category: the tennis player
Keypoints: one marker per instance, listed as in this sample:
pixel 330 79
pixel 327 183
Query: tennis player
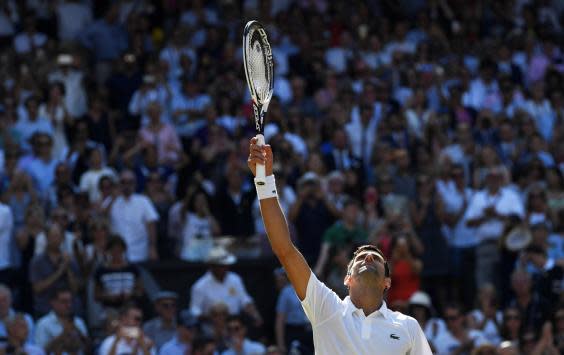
pixel 359 324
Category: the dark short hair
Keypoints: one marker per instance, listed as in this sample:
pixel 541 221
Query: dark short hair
pixel 59 291
pixel 373 248
pixel 114 240
pixel 201 342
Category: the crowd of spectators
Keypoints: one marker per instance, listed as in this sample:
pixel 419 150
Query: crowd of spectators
pixel 433 129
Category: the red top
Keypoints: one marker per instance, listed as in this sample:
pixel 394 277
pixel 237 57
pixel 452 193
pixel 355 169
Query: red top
pixel 404 282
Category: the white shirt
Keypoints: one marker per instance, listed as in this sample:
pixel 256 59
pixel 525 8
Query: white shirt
pixel 341 328
pixel 506 202
pixel 23 42
pixel 90 179
pixel 123 347
pixel 249 348
pixel 128 218
pixel 196 238
pixel 49 327
pixel 208 291
pixel 460 235
pixel 6 227
pixel 66 245
pixel 446 343
pixel 75 95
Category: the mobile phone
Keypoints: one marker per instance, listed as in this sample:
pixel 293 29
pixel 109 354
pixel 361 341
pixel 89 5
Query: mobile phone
pixel 131 332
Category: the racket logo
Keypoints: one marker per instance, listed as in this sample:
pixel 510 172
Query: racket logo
pixel 268 50
pixel 258 118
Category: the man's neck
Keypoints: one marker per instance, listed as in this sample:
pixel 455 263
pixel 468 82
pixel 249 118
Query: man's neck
pixel 368 303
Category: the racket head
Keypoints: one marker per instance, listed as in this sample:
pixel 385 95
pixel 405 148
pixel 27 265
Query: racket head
pixel 259 68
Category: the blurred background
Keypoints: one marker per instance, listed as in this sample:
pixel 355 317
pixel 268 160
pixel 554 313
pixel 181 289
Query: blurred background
pixel 128 218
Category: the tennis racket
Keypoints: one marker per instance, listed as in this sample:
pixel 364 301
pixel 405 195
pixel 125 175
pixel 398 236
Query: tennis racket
pixel 259 71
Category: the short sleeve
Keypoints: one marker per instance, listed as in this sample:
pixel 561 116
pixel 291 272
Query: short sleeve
pixel 242 291
pixel 149 212
pixel 320 302
pixel 420 345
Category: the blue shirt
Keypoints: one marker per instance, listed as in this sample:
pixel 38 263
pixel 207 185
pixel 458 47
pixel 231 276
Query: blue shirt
pixel 289 304
pixel 26 128
pixel 4 332
pixel 107 41
pixel 174 347
pixel 43 173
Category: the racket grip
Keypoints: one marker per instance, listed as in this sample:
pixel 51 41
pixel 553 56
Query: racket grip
pixel 260 177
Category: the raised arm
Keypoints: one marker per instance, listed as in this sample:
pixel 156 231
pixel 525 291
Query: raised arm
pixel 296 267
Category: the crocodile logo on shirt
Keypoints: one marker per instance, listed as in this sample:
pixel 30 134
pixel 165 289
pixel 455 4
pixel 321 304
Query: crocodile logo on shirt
pixel 393 336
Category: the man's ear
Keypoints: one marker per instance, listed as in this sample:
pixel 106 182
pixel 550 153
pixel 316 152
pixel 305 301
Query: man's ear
pixel 347 280
pixel 387 283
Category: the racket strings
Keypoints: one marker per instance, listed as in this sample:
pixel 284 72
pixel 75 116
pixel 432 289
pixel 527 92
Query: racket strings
pixel 258 69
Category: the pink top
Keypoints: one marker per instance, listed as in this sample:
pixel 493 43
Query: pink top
pixel 166 140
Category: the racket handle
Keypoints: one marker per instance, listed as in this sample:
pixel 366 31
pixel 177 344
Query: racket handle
pixel 260 177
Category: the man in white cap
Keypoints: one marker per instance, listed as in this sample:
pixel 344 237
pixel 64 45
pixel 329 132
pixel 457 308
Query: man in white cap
pixel 359 324
pixel 219 285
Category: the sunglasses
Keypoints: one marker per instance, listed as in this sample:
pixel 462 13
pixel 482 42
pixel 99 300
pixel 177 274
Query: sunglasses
pixel 168 305
pixel 451 318
pixel 234 328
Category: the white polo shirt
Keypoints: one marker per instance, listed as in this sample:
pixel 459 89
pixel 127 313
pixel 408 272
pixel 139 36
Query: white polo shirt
pixel 128 218
pixel 6 229
pixel 208 291
pixel 341 328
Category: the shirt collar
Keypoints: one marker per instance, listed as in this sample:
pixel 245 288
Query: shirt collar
pixel 351 308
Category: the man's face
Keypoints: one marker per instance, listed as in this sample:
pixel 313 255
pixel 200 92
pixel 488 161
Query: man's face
pixel 453 318
pixel 132 318
pixel 367 271
pixel 127 182
pixel 166 308
pixel 236 329
pixel 62 304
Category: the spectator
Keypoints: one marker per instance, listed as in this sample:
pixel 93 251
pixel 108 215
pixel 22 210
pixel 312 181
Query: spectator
pixel 54 110
pixel 71 244
pixel 510 328
pixel 420 308
pixel 181 343
pixel 486 213
pixel 454 199
pixel 457 337
pixel 51 271
pixel 204 346
pixel 69 73
pixel 117 282
pixel 8 314
pixel 60 330
pixel 163 328
pixel 107 39
pixel 486 317
pixel 312 214
pixel 29 40
pixel 128 337
pixel 198 228
pixel 215 325
pixel 6 233
pixel 291 323
pixel 97 169
pixel 405 271
pixel 548 277
pixel 530 304
pixel 343 234
pixel 133 217
pixel 18 331
pixel 219 284
pixel 72 17
pixel 238 340
pixel 435 248
pixel 232 204
pixel 31 123
pixel 162 135
pixel 188 107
